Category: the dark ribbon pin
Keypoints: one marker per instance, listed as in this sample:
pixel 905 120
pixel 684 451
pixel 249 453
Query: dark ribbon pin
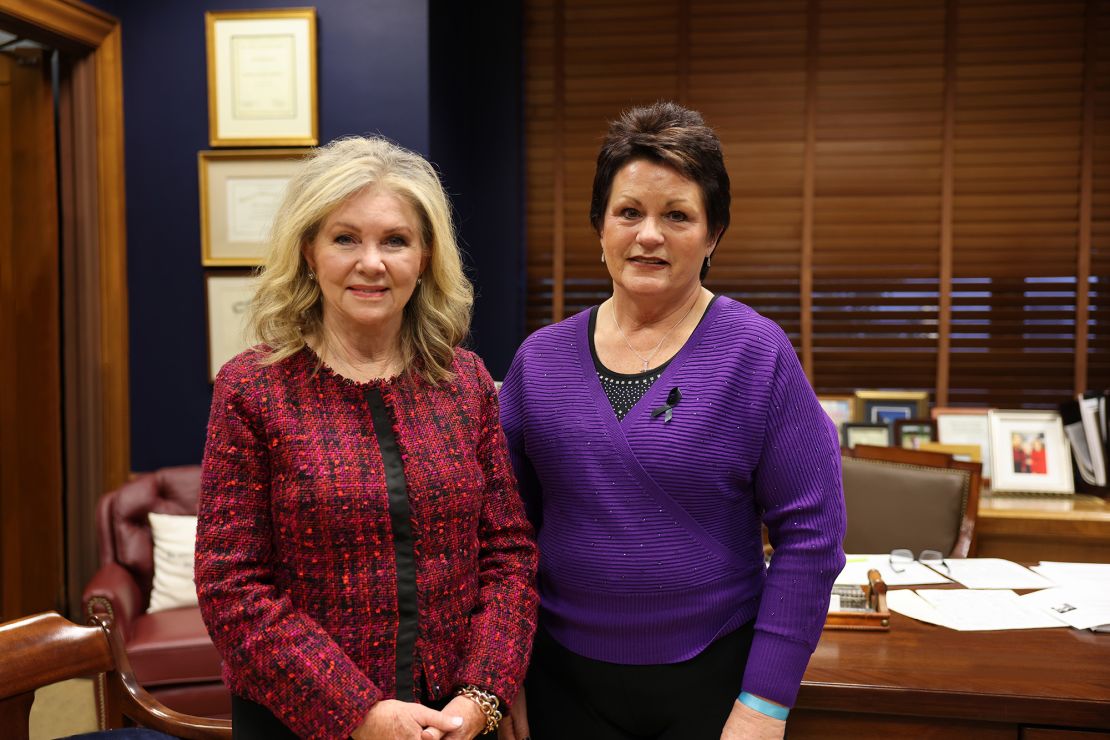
pixel 666 409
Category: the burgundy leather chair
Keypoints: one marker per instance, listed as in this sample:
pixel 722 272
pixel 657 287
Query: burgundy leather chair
pixel 170 652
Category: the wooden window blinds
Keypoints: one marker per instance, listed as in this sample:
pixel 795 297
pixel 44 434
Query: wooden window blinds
pixel 921 188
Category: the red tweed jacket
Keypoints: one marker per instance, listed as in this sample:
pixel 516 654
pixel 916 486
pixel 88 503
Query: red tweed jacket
pixel 295 563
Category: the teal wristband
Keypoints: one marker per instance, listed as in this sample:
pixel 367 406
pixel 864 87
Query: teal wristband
pixel 763 706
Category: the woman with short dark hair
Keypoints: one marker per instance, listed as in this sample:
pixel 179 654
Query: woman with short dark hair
pixel 652 435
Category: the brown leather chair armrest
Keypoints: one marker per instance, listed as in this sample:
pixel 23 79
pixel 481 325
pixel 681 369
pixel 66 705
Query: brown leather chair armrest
pixel 114 595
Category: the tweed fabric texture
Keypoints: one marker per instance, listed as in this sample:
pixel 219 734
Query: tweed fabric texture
pixel 295 566
pixel 621 580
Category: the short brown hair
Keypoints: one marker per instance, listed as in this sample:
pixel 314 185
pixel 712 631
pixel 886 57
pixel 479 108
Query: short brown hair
pixel 672 135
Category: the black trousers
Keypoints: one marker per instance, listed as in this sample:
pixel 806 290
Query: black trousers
pixel 252 721
pixel 571 697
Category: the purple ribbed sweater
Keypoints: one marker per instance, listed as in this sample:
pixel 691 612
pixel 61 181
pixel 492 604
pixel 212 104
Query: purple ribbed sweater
pixel 620 579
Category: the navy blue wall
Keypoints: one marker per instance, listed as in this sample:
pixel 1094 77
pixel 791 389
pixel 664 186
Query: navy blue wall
pixel 374 76
pixel 477 142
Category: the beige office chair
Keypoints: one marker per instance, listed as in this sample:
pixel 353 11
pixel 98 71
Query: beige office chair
pixel 911 499
pixel 46 648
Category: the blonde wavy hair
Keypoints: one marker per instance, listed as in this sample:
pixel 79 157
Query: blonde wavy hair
pixel 288 306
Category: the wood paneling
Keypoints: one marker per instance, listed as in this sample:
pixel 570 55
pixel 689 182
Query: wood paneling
pixel 808 725
pixel 940 678
pixel 921 190
pixel 94 246
pixel 112 251
pixel 1054 733
pixel 31 549
pixel 73 26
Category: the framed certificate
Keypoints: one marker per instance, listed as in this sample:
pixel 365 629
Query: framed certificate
pixel 262 77
pixel 965 426
pixel 240 191
pixel 228 296
pixel 866 433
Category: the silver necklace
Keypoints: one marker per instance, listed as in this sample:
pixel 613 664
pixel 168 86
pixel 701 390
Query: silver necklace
pixel 647 360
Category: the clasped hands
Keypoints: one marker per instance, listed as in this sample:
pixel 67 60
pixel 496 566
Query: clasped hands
pixel 391 719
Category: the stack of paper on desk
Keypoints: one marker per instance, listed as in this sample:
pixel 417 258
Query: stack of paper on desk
pixel 1070 594
pixel 1094 575
pixel 994 573
pixel 1083 599
pixel 1073 605
pixel 970 609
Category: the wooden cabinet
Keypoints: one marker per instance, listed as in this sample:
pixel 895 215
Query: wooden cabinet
pixel 1030 529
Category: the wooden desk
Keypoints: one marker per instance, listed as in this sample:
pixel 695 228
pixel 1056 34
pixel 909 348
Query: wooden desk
pixel 1068 528
pixel 923 681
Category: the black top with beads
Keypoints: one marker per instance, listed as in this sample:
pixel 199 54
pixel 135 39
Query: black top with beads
pixel 624 390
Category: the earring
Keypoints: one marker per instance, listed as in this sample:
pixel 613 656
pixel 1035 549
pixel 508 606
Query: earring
pixel 708 260
pixel 603 258
pixel 312 276
pixel 419 281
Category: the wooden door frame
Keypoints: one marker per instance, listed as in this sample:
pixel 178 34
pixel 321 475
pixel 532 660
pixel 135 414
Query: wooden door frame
pixel 94 258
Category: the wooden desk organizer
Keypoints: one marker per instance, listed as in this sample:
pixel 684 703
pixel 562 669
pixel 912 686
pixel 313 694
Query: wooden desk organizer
pixel 869 610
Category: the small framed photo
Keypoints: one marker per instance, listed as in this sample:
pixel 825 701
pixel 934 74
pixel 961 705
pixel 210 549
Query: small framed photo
pixel 960 425
pixel 262 77
pixel 240 191
pixel 228 296
pixel 887 407
pixel 841 409
pixel 910 433
pixel 1029 453
pixel 866 433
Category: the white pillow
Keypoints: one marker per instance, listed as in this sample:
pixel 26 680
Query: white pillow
pixel 175 540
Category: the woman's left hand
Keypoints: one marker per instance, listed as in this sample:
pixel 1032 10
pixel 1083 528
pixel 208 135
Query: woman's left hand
pixel 744 723
pixel 474 721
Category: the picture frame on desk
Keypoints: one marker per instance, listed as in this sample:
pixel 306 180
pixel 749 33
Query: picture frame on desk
pixel 240 191
pixel 910 433
pixel 887 407
pixel 965 426
pixel 840 408
pixel 866 433
pixel 227 298
pixel 1029 453
pixel 262 77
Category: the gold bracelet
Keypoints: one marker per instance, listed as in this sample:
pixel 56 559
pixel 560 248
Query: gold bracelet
pixel 487 702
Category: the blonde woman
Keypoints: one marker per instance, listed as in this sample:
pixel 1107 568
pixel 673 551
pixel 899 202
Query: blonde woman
pixel 363 561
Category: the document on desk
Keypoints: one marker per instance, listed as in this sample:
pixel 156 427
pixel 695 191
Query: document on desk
pixel 971 610
pixel 1095 576
pixel 909 574
pixel 1079 606
pixel 994 573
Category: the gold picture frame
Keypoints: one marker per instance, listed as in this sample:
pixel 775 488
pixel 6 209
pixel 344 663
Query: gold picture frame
pixel 240 190
pixel 886 407
pixel 262 77
pixel 227 297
